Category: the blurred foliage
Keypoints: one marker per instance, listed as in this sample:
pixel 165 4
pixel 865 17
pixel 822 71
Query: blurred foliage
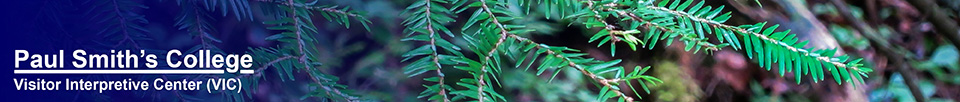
pixel 942 64
pixel 846 37
pixel 528 86
pixel 760 95
pixel 681 87
pixel 897 90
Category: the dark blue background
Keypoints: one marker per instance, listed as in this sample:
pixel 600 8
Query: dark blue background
pixel 21 31
pixel 45 26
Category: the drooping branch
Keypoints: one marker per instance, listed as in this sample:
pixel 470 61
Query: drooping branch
pixel 804 52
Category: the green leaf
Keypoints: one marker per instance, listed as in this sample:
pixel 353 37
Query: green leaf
pixel 422 50
pixel 605 65
pixel 599 34
pixel 945 55
pixel 684 5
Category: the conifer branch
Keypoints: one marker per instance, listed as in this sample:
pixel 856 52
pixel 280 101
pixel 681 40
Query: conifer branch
pixel 308 7
pixel 195 20
pixel 688 20
pixel 433 46
pixel 602 81
pixel 296 30
pixel 201 35
pixel 598 11
pixel 265 66
pixel 295 24
pixel 303 57
pixel 425 24
pixel 503 36
pixel 493 22
pixel 824 58
pixel 770 47
pixel 602 20
pixel 331 90
pixel 123 26
pixel 331 13
pixel 334 10
pixel 654 26
pixel 504 33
